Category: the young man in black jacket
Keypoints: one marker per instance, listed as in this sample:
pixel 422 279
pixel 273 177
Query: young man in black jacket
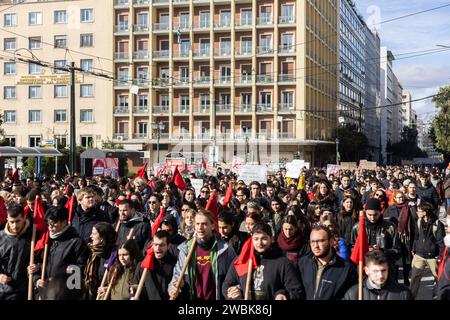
pixel 443 290
pixel 15 242
pixel 324 275
pixel 158 279
pixel 275 278
pixel 428 245
pixel 377 285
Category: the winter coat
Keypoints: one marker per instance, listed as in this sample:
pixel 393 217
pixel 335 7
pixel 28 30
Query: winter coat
pixel 443 291
pixel 157 281
pixel 391 291
pixel 429 242
pixel 14 260
pixel 392 214
pixel 346 223
pixel 84 221
pixel 141 230
pixel 274 275
pixel 428 194
pixel 447 186
pixel 337 277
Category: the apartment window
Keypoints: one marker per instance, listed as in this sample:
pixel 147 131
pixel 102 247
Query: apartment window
pixel 9 44
pixel 60 42
pixel 34 141
pixel 86 40
pixel 9 92
pixel 87 115
pixel 61 141
pixel 184 20
pixel 9 116
pixel 184 103
pixel 34 116
pixel 184 48
pixel 225 46
pixel 34 18
pixel 60 91
pixel 287 99
pixel 10 141
pixel 142 73
pixel 59 64
pixel 225 18
pixel 266 98
pixel 34 43
pixel 142 19
pixel 87 15
pixel 164 100
pixel 87 64
pixel 87 141
pixel 34 92
pixel 9 68
pixel 184 74
pixel 34 68
pixel 123 101
pixel 287 11
pixel 204 101
pixel 60 116
pixel 287 41
pixel 266 42
pixel 143 100
pixel 142 127
pixel 246 17
pixel 204 47
pixel 86 90
pixel 246 45
pixel 204 19
pixel 10 20
pixel 60 16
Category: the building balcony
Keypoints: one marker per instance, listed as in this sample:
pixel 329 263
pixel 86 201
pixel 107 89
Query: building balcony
pixel 223 24
pixel 142 83
pixel 285 107
pixel 184 134
pixel 180 3
pixel 121 56
pixel 121 3
pixel 243 135
pixel 201 2
pixel 205 109
pixel 223 52
pixel 138 3
pixel 160 110
pixel 244 52
pixel 202 135
pixel 160 27
pixel 202 25
pixel 264 50
pixel 181 26
pixel 183 110
pixel 246 108
pixel 161 54
pixel 264 107
pixel 245 79
pixel 286 78
pixel 202 53
pixel 264 78
pixel 223 80
pixel 285 135
pixel 223 108
pixel 181 54
pixel 122 28
pixel 160 82
pixel 141 28
pixel 120 136
pixel 244 23
pixel 140 110
pixel 160 2
pixel 121 83
pixel 264 19
pixel 286 20
pixel 121 110
pixel 182 82
pixel 286 48
pixel 140 135
pixel 140 55
pixel 205 80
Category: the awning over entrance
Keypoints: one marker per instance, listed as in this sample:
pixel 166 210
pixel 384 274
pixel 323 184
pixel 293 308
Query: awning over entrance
pixel 111 153
pixel 6 152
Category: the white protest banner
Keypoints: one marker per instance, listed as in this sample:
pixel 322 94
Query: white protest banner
pixel 349 166
pixel 249 173
pixel 307 165
pixel 237 163
pixel 294 168
pixel 333 169
pixel 197 184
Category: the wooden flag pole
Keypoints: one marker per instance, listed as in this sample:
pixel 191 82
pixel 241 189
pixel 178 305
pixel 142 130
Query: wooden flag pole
pixel 118 226
pixel 360 280
pixel 249 280
pixel 102 284
pixel 141 284
pixel 30 276
pixel 130 234
pixel 44 263
pixel 108 291
pixel 186 263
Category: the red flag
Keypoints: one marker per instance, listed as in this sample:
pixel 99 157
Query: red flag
pixel 158 220
pixel 228 194
pixel 40 244
pixel 361 245
pixel 442 263
pixel 247 253
pixel 3 211
pixel 141 173
pixel 15 175
pixel 151 184
pixel 26 211
pixel 70 204
pixel 212 206
pixel 117 202
pixel 39 213
pixel 149 260
pixel 178 179
pixel 67 190
pixel 129 196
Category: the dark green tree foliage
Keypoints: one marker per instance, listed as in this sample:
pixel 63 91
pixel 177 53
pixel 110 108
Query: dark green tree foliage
pixel 407 148
pixel 352 143
pixel 441 121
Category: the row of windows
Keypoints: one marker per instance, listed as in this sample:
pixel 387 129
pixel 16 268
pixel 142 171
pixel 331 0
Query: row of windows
pixel 59 41
pixel 59 91
pixel 59 17
pixel 35 141
pixel 10 68
pixel 35 116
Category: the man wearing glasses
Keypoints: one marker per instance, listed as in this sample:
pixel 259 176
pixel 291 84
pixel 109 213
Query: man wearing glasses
pixel 324 275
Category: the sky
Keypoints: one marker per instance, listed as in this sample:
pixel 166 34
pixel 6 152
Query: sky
pixel 422 75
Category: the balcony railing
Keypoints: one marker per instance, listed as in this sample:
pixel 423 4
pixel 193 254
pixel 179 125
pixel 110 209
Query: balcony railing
pixel 121 110
pixel 121 2
pixel 180 1
pixel 160 109
pixel 184 81
pixel 141 82
pixel 140 109
pixel 286 48
pixel 264 107
pixel 181 54
pixel 223 108
pixel 161 1
pixel 264 50
pixel 246 108
pixel 202 135
pixel 286 78
pixel 286 135
pixel 245 78
pixel 204 108
pixel 183 109
pixel 141 28
pixel 121 55
pixel 224 52
pixel 286 20
pixel 203 53
pixel 264 78
pixel 223 24
pixel 224 80
pixel 246 51
pixel 203 24
pixel 140 55
pixel 121 83
pixel 244 23
pixel 203 80
pixel 285 107
pixel 120 136
pixel 121 28
pixel 140 135
pixel 141 2
pixel 181 26
pixel 265 18
pixel 160 82
pixel 161 54
pixel 162 26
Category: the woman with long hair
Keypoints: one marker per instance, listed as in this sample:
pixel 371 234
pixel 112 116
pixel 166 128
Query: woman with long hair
pixel 325 196
pixel 186 228
pixel 347 217
pixel 291 239
pixel 380 194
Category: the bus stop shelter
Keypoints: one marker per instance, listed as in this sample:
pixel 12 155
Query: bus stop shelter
pixel 123 155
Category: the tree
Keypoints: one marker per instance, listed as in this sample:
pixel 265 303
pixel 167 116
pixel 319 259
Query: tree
pixel 432 136
pixel 352 143
pixel 407 148
pixel 441 121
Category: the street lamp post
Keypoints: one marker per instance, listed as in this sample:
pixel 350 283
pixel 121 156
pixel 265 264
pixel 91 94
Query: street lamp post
pixel 246 143
pixel 337 152
pixel 159 126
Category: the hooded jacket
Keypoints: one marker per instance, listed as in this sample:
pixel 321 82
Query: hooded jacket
pixel 274 275
pixel 391 291
pixel 141 230
pixel 14 259
pixel 428 194
pixel 429 240
pixel 83 221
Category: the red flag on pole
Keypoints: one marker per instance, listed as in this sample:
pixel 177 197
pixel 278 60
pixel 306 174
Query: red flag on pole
pixel 247 253
pixel 228 194
pixel 149 260
pixel 142 173
pixel 39 214
pixel 158 220
pixel 442 263
pixel 178 179
pixel 361 245
pixel 40 244
pixel 212 206
pixel 15 175
pixel 3 211
pixel 70 204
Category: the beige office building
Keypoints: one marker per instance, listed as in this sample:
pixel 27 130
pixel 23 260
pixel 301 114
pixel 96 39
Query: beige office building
pixel 35 100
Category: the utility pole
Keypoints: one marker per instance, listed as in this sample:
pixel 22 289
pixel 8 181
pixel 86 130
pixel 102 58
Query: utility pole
pixel 73 144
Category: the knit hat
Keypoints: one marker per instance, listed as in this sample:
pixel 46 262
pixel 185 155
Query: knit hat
pixel 373 204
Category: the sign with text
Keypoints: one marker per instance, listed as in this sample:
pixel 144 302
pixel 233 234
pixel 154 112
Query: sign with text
pixel 249 173
pixel 237 163
pixel 108 167
pixel 197 184
pixel 333 169
pixel 50 79
pixel 294 168
pixel 349 166
pixel 172 163
pixel 368 165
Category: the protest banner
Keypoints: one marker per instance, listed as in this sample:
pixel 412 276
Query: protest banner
pixel 249 173
pixel 333 169
pixel 349 166
pixel 294 168
pixel 197 184
pixel 172 163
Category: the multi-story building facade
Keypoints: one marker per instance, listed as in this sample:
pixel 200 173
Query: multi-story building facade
pixel 410 114
pixel 226 73
pixel 398 115
pixel 35 99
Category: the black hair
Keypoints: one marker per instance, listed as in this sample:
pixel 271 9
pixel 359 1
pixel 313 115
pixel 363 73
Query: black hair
pixel 226 217
pixel 62 200
pixel 427 207
pixel 377 257
pixel 262 227
pixel 57 214
pixel 292 220
pixel 15 210
pixel 127 202
pixel 323 228
pixel 106 232
pixel 161 234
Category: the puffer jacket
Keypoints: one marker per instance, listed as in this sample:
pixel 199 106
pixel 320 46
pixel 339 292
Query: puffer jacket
pixel 429 240
pixel 83 221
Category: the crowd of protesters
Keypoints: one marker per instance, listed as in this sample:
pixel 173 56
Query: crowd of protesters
pixel 302 234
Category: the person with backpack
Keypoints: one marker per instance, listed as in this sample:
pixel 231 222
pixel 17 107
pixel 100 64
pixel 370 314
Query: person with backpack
pixel 428 245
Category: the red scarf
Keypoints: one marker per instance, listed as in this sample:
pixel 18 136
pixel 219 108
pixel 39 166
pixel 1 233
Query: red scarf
pixel 291 243
pixel 404 222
